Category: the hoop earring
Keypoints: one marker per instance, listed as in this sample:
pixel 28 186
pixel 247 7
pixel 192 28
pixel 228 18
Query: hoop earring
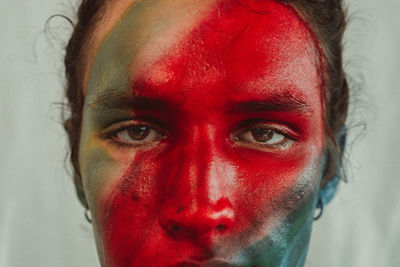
pixel 88 216
pixel 320 206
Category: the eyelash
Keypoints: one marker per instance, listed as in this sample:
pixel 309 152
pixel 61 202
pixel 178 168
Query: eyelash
pixel 112 134
pixel 287 142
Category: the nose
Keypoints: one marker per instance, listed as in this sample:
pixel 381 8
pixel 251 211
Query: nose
pixel 197 184
pixel 194 223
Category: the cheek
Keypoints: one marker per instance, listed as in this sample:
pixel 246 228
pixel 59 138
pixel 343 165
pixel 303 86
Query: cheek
pixel 129 209
pixel 267 190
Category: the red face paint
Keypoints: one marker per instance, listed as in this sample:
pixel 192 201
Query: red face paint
pixel 224 164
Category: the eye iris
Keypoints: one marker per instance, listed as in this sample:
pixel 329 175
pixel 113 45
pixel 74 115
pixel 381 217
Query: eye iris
pixel 138 132
pixel 262 134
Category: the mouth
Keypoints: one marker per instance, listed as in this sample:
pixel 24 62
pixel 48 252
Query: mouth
pixel 212 263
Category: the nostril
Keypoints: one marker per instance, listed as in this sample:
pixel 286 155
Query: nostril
pixel 174 228
pixel 180 221
pixel 220 228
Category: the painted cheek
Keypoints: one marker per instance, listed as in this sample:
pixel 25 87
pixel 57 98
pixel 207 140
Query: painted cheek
pixel 267 184
pixel 127 212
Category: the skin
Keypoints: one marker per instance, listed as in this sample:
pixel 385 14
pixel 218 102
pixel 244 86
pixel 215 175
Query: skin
pixel 202 135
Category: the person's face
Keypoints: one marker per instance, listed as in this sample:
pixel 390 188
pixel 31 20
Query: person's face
pixel 202 134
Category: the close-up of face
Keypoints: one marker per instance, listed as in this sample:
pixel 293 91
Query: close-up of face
pixel 202 139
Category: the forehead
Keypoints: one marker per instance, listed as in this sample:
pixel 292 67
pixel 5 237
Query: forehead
pixel 179 44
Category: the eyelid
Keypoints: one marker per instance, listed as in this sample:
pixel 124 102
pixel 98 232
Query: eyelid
pixel 115 128
pixel 289 135
pixel 281 128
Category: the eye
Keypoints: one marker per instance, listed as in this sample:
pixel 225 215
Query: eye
pixel 265 136
pixel 136 134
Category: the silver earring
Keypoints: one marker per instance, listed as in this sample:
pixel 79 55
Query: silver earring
pixel 320 206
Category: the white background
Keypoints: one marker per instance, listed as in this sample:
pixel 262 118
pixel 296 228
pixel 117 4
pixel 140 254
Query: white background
pixel 41 221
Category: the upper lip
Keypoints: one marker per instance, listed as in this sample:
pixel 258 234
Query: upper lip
pixel 210 263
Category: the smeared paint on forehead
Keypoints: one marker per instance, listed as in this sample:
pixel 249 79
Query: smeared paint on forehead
pixel 140 41
pixel 141 24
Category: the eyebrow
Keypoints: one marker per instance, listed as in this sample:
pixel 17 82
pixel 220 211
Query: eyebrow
pixel 276 102
pixel 113 99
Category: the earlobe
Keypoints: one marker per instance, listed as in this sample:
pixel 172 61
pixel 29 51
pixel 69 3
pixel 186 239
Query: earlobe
pixel 70 127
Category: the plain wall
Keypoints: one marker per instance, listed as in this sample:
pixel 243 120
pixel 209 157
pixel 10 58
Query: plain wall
pixel 41 221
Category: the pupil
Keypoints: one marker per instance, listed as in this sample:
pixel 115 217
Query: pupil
pixel 138 132
pixel 262 134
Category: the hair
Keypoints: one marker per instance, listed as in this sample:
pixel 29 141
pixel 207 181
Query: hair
pixel 326 19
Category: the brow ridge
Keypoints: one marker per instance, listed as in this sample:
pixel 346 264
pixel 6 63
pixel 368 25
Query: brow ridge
pixel 113 99
pixel 277 102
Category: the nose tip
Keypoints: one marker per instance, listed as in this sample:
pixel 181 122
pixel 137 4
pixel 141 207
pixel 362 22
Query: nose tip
pixel 189 223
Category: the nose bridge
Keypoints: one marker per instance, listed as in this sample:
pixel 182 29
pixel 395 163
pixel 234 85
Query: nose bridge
pixel 195 166
pixel 196 203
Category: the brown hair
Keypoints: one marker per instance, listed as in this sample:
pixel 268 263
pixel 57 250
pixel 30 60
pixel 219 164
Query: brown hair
pixel 327 20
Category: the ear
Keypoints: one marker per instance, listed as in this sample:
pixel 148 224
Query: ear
pixel 71 128
pixel 79 191
pixel 328 191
